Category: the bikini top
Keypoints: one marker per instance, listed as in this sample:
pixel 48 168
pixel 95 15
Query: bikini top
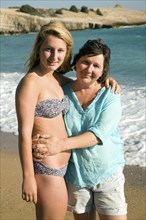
pixel 51 108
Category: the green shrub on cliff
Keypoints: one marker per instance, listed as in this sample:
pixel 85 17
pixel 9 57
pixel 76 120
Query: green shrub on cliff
pixel 59 11
pixel 29 10
pixel 98 12
pixel 73 8
pixel 84 9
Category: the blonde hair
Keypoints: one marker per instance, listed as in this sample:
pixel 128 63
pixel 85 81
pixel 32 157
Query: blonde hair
pixel 56 29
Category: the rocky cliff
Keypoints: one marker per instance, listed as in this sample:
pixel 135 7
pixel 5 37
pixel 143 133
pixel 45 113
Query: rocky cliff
pixel 13 21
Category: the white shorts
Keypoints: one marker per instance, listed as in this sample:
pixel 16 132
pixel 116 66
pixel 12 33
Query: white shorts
pixel 107 198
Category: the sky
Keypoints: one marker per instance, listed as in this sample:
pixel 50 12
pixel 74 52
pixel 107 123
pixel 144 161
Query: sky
pixel 130 4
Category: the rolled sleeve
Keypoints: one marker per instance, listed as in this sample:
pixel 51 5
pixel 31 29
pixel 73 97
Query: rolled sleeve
pixel 108 119
pixel 97 134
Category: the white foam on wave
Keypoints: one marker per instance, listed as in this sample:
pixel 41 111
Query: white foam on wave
pixel 132 123
pixel 8 84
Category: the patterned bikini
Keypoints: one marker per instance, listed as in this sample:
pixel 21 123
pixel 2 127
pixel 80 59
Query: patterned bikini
pixel 48 109
pixel 51 108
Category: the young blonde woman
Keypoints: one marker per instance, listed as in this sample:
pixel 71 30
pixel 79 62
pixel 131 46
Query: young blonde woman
pixel 40 107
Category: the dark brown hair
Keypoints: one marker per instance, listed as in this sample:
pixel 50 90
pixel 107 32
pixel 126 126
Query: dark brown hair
pixel 93 48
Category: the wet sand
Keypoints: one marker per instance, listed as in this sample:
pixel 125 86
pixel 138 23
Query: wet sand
pixel 12 207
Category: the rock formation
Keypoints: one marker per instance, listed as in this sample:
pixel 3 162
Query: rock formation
pixel 13 21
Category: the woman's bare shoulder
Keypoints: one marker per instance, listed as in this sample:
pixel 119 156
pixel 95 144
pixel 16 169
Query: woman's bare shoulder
pixel 30 80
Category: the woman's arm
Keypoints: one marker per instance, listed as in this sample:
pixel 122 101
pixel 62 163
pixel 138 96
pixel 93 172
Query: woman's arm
pixel 96 134
pixel 45 145
pixel 25 102
pixel 115 87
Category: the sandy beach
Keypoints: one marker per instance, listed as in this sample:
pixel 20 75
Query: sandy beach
pixel 14 208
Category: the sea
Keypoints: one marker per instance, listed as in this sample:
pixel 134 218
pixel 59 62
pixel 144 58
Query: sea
pixel 128 68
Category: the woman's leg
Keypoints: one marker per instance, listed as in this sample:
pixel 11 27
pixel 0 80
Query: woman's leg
pixel 86 216
pixel 92 216
pixel 112 217
pixel 52 197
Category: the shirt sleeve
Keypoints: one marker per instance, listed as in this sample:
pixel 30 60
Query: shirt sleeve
pixel 109 117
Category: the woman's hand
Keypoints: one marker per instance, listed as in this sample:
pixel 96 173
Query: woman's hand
pixel 115 86
pixel 45 145
pixel 29 190
pixel 39 150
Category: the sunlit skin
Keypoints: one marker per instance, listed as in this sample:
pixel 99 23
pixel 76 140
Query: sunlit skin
pixel 52 53
pixel 41 84
pixel 89 69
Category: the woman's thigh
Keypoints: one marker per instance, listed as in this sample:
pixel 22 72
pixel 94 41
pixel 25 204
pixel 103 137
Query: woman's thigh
pixel 52 197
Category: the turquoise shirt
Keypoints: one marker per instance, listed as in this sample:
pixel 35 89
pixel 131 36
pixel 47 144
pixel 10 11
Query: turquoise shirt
pixel 93 165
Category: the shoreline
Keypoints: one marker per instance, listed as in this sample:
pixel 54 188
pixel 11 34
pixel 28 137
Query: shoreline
pixel 13 207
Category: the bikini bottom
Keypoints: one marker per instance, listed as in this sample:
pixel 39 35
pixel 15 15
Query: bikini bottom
pixel 41 168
